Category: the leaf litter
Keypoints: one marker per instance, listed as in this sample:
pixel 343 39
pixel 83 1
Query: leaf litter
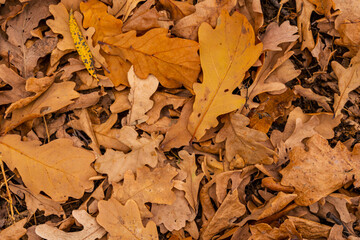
pixel 231 119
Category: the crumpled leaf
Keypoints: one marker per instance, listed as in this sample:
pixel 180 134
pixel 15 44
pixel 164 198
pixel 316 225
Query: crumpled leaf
pixel 226 53
pixel 228 212
pixel 305 8
pixel 154 187
pixel 116 163
pixel 37 201
pixel 263 231
pixel 310 229
pixel 18 83
pixel 177 9
pixel 348 79
pixel 173 216
pixel 206 11
pixel 56 97
pixel 121 103
pixel 173 61
pixel 309 94
pixel 244 143
pixel 124 221
pixel 92 230
pixel 323 7
pixel 319 171
pixel 15 231
pixel 192 181
pixel 65 174
pixel 276 35
pixel 139 97
pixel 252 10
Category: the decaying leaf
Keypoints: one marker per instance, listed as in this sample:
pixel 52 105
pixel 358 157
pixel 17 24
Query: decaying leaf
pixel 148 186
pixel 139 97
pixel 92 230
pixel 173 61
pixel 276 35
pixel 64 174
pixel 226 53
pixel 124 221
pixel 143 152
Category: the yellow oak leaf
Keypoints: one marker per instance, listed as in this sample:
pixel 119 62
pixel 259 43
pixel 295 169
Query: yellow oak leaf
pixel 124 221
pixel 226 53
pixel 349 80
pixel 154 187
pixel 65 174
pixel 173 61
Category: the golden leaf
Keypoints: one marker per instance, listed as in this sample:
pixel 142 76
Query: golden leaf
pixel 226 53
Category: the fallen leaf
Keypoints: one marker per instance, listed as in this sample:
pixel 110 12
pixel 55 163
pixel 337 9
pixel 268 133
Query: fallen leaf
pixel 124 221
pixel 276 35
pixel 310 229
pixel 245 143
pixel 37 201
pixel 307 93
pixel 143 152
pixel 304 8
pixel 92 230
pixel 225 216
pixel 206 11
pixel 15 231
pixel 323 7
pixel 154 187
pixel 56 97
pixel 121 103
pixel 17 83
pixel 191 184
pixel 161 126
pixel 223 71
pixel 177 9
pixel 264 231
pixel 173 61
pixel 178 135
pixel 139 97
pixel 252 10
pixel 348 81
pixel 65 174
pixel 173 216
pixel 321 170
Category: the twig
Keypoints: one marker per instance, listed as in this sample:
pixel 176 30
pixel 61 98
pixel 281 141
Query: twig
pixel 7 189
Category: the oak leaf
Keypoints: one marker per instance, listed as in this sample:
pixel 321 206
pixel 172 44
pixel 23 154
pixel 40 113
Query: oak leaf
pixel 323 7
pixel 37 201
pixel 65 174
pixel 154 187
pixel 92 230
pixel 139 97
pixel 206 11
pixel 121 102
pixel 54 98
pixel 305 9
pixel 124 221
pixel 319 171
pixel 143 152
pixel 349 80
pixel 173 61
pixel 252 10
pixel 15 231
pixel 226 53
pixel 177 9
pixel 276 35
pixel 245 143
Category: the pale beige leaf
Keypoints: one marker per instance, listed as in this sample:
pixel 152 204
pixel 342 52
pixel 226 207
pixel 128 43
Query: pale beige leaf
pixel 92 230
pixel 64 174
pixel 349 80
pixel 143 152
pixel 121 103
pixel 15 231
pixel 37 201
pixel 124 221
pixel 56 97
pixel 276 35
pixel 140 92
pixel 307 93
pixel 154 187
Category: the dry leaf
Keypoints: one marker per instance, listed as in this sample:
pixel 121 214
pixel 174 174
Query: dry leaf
pixel 252 10
pixel 309 229
pixel 307 93
pixel 276 35
pixel 37 201
pixel 92 230
pixel 56 97
pixel 177 9
pixel 63 175
pixel 225 216
pixel 206 11
pixel 323 7
pixel 226 53
pixel 143 152
pixel 154 187
pixel 319 171
pixel 173 61
pixel 139 97
pixel 191 185
pixel 121 103
pixel 245 143
pixel 124 221
pixel 348 79
pixel 15 231
pixel 304 8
